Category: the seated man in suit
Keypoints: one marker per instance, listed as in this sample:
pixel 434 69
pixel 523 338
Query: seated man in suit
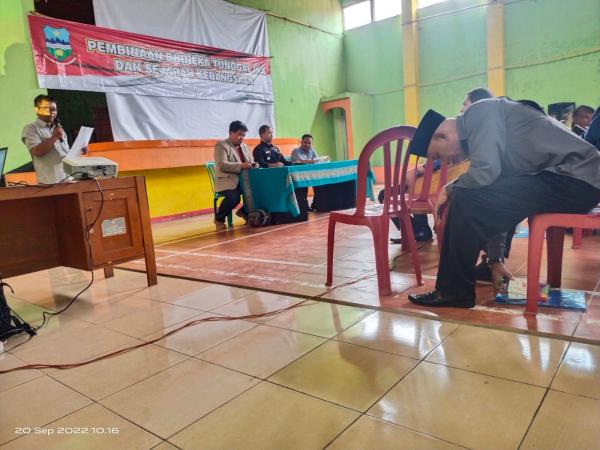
pixel 266 154
pixel 231 157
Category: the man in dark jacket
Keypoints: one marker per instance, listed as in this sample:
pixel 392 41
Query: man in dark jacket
pixel 265 153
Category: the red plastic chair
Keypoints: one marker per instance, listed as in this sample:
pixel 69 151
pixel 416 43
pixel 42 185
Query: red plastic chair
pixel 578 235
pixel 397 203
pixel 577 238
pixel 553 226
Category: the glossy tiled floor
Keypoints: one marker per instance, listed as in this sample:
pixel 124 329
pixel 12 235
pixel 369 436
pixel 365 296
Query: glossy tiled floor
pixel 290 259
pixel 318 375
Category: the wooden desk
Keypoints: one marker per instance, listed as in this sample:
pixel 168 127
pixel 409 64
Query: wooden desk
pixel 45 226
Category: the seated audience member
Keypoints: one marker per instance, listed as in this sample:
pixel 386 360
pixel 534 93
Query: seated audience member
pixel 582 116
pixel 522 163
pixel 498 248
pixel 265 153
pixel 474 96
pixel 231 157
pixel 421 228
pixel 305 153
pixel 592 135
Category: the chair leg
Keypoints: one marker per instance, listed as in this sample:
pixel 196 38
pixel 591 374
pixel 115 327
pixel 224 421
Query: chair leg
pixel 577 237
pixel 330 245
pixel 409 238
pixel 404 245
pixel 534 261
pixel 230 220
pixel 382 261
pixel 555 237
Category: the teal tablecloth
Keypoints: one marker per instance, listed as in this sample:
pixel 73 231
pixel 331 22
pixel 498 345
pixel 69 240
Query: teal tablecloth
pixel 273 189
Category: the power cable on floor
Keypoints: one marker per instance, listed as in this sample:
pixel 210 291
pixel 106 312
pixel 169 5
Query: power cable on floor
pixel 182 327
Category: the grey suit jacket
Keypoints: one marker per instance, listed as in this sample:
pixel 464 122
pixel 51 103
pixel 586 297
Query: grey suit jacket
pixel 228 165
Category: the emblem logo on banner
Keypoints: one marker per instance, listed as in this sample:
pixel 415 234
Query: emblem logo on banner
pixel 57 42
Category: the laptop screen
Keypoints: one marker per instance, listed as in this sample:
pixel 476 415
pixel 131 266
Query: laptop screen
pixel 3 152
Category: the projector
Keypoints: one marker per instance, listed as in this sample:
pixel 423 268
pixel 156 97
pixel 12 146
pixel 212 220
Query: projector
pixel 93 167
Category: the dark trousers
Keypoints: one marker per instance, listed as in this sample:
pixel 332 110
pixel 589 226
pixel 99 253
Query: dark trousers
pixel 475 215
pixel 419 221
pixel 230 201
pixel 302 198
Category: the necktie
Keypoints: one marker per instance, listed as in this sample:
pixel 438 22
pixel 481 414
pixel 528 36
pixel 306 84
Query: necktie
pixel 240 153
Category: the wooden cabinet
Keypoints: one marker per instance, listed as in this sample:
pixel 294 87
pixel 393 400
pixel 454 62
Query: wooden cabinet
pixel 47 226
pixel 117 233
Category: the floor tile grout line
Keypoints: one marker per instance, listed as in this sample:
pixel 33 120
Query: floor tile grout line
pixel 532 420
pixel 131 421
pixel 151 376
pixel 331 402
pixel 217 408
pixel 546 392
pixel 419 361
pixel 588 397
pixel 416 431
pixel 130 385
pixel 211 347
pixel 497 377
pixel 51 422
pixel 424 433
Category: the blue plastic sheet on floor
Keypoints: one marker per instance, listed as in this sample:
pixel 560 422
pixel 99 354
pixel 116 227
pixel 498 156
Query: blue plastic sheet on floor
pixel 522 232
pixel 557 298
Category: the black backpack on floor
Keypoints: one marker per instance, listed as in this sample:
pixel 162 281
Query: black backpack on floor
pixel 10 323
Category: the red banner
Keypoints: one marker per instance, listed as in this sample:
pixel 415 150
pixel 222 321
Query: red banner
pixel 70 55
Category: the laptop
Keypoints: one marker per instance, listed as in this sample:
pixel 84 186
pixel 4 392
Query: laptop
pixel 3 152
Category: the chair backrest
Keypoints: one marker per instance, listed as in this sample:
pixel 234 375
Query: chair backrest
pixel 396 164
pixel 210 169
pixel 391 171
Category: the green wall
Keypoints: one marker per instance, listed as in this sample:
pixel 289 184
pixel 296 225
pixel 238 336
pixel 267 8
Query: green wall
pixel 552 53
pixel 551 37
pixel 452 54
pixel 373 58
pixel 307 65
pixel 18 83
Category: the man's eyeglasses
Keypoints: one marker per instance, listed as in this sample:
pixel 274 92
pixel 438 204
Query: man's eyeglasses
pixel 47 108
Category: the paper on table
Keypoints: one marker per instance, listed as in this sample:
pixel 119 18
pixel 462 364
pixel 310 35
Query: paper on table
pixel 82 140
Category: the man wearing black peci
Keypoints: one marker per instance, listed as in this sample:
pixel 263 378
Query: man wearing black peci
pixel 522 163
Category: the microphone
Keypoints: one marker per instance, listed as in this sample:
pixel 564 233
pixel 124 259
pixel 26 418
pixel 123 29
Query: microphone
pixel 56 123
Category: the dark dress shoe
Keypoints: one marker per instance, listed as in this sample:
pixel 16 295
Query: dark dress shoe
pixel 435 298
pixel 483 272
pixel 422 236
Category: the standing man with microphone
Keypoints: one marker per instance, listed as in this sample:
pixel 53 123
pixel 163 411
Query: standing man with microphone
pixel 46 141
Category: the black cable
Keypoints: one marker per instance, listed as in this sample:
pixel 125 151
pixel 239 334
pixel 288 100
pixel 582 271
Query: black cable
pixel 46 314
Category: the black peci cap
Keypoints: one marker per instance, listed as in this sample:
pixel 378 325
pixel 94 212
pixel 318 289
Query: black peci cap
pixel 427 126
